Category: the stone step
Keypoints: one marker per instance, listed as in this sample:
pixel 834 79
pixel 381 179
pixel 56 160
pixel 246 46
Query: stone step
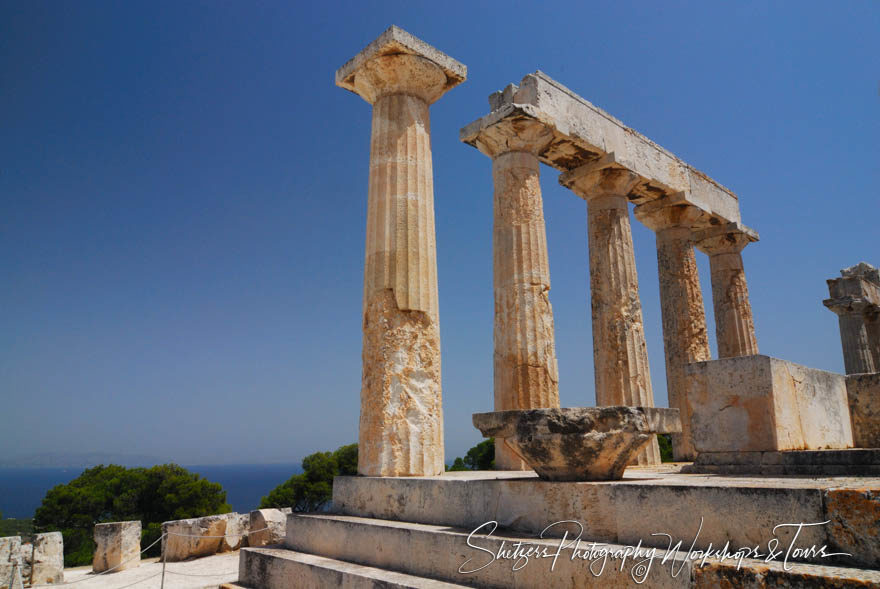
pixel 504 560
pixel 699 508
pixel 276 568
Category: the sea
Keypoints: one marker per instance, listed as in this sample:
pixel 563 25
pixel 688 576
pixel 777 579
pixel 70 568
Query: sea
pixel 22 489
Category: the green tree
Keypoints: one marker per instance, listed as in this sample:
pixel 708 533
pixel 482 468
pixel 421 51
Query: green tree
pixel 665 443
pixel 313 489
pixel 115 493
pixel 480 457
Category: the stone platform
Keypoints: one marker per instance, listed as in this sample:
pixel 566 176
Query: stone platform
pixel 827 463
pixel 412 532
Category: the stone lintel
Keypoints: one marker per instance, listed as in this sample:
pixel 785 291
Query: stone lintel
pixel 584 133
pixel 396 41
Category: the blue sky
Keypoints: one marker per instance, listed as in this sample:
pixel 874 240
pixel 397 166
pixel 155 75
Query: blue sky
pixel 183 199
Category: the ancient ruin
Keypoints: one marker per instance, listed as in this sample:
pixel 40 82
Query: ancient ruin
pixel 401 423
pixel 117 546
pixel 581 443
pixel 855 299
pixel 749 420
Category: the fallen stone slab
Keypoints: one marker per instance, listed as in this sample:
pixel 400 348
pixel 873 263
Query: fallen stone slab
pixel 268 526
pixel 237 528
pixel 195 537
pixel 48 559
pixel 118 546
pixel 10 552
pixel 579 443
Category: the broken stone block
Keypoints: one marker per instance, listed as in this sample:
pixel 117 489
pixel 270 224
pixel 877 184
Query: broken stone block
pixel 760 404
pixel 273 519
pixel 236 532
pixel 191 538
pixel 118 546
pixel 863 392
pixel 10 552
pixel 48 559
pixel 579 443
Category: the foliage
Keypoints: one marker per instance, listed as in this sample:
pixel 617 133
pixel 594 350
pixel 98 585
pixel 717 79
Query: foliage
pixel 313 489
pixel 480 457
pixel 665 443
pixel 16 527
pixel 115 493
pixel 458 464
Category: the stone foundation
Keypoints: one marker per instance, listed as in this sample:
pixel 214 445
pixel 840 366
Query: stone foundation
pixel 850 462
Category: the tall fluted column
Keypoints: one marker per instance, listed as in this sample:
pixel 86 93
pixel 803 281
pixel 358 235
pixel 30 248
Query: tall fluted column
pixel 685 338
pixel 401 423
pixel 526 374
pixel 734 325
pixel 620 354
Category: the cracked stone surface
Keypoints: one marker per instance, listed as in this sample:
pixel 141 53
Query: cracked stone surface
pixel 620 352
pixel 763 404
pixel 580 443
pixel 401 423
pixel 117 543
pixel 734 323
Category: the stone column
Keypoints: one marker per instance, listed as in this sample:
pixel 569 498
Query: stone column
pixel 620 355
pixel 526 373
pixel 685 338
pixel 855 299
pixel 734 325
pixel 401 423
pixel 857 355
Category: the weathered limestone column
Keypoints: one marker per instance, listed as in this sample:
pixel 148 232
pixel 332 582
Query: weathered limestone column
pixel 401 423
pixel 855 299
pixel 734 325
pixel 526 373
pixel 620 353
pixel 685 338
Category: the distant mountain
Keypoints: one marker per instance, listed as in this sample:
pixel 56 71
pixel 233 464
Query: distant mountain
pixel 76 460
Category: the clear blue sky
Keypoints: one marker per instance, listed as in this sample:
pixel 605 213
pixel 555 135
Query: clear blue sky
pixel 183 198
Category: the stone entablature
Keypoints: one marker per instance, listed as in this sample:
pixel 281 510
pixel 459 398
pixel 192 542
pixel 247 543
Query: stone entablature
pixel 583 133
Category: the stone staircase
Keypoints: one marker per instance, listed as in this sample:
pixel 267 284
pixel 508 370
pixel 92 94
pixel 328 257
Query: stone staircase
pixel 356 547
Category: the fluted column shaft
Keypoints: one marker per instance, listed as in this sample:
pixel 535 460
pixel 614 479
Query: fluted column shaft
pixel 685 338
pixel 526 373
pixel 734 325
pixel 401 422
pixel 620 354
pixel 855 337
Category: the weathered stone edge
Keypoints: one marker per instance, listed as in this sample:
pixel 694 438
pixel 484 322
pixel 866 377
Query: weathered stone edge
pixel 396 40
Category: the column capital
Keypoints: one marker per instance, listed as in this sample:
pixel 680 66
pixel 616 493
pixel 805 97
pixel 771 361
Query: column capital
pixel 599 178
pixel 672 212
pixel 399 63
pixel 850 306
pixel 514 133
pixel 730 238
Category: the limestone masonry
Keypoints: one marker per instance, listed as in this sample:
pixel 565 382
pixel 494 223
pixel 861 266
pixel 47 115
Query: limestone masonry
pixel 769 445
pixel 401 423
